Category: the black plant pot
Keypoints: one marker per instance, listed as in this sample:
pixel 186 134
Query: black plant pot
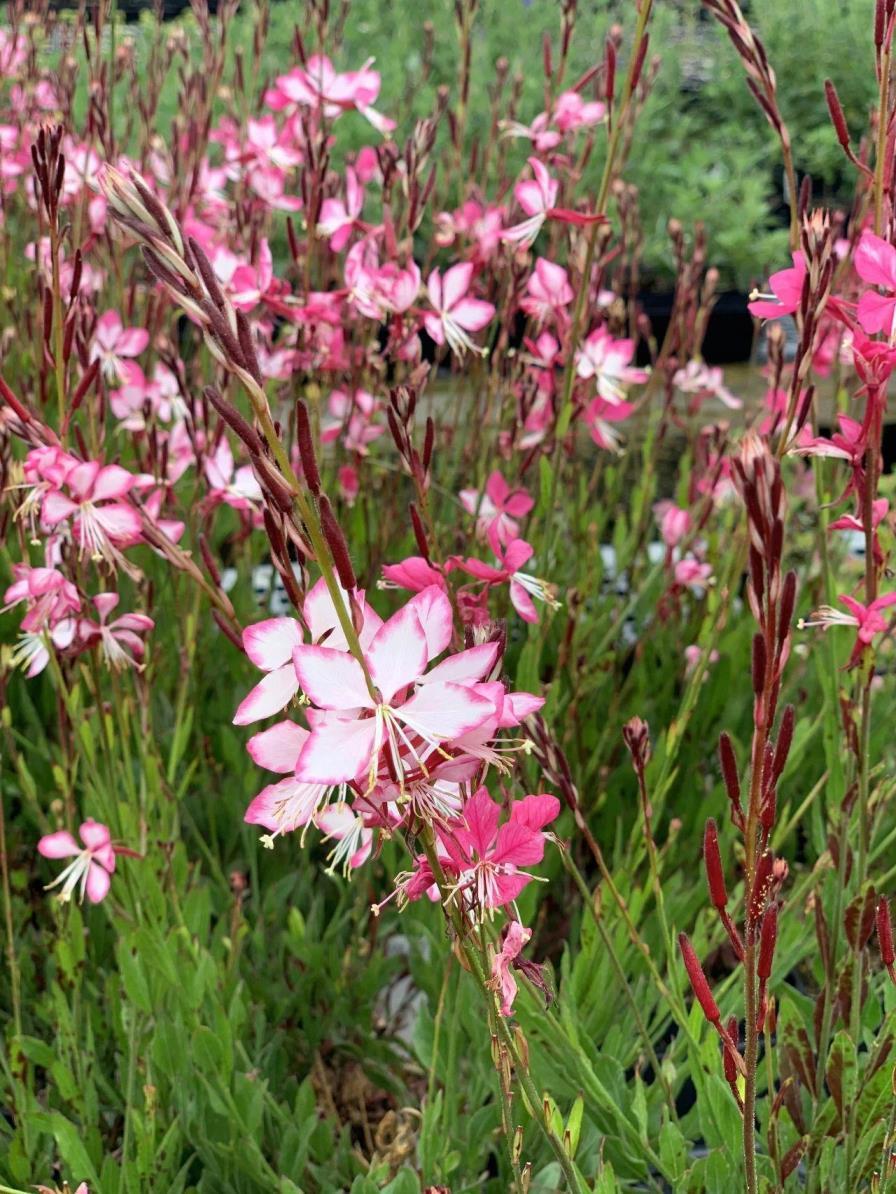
pixel 729 334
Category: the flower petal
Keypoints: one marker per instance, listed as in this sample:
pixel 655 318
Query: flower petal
pixel 269 696
pixel 331 679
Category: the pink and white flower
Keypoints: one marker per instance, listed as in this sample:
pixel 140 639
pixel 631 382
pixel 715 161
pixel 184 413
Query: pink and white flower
pixel 92 865
pixel 456 313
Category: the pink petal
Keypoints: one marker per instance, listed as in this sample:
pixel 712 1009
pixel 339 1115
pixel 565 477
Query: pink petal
pixel 433 608
pixel 98 881
pixel 445 711
pixel 337 752
pixel 132 342
pixel 535 811
pixel 269 644
pixel 522 602
pixel 58 845
pixel 465 667
pixel 300 799
pixel 876 311
pixel 455 285
pixel 517 553
pixel 111 482
pixel 518 845
pixel 278 748
pixel 875 261
pixel 94 834
pixel 121 522
pixel 331 679
pixel 269 696
pixel 481 815
pixel 472 314
pixel 518 706
pixel 508 887
pixel 55 507
pixel 398 653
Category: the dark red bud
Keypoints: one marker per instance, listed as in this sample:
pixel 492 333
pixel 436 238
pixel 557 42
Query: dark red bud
pixel 307 455
pixel 713 860
pixel 698 981
pixel 337 544
pixel 885 932
pixel 768 937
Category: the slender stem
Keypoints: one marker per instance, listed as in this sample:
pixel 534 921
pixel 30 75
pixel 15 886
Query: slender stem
pixel 504 1034
pixel 588 900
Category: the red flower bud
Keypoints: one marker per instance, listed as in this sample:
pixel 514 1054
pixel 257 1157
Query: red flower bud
pixel 698 981
pixel 767 939
pixel 713 860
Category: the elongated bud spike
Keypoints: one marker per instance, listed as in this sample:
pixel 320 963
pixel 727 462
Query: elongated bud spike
pixel 729 771
pixel 307 455
pixel 698 981
pixel 768 937
pixel 337 544
pixel 713 860
pixel 885 936
pixel 837 117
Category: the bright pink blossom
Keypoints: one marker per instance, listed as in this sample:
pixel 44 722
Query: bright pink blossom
pixel 510 560
pixel 113 343
pixel 502 979
pixel 456 313
pixel 485 858
pixel 608 361
pixel 409 711
pixel 121 639
pixel 787 288
pixel 93 864
pixel 875 262
pixel 101 518
pixel 868 620
pixel 498 506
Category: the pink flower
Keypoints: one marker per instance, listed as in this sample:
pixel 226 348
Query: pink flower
pixel 693 574
pixel 320 86
pixel 498 506
pixel 875 262
pixel 674 522
pixel 49 595
pixel 868 620
pixel 599 417
pixel 236 487
pixel 787 289
pixel 609 362
pixel 338 219
pixel 354 840
pixel 704 382
pixel 414 573
pixel 548 291
pixel 456 313
pixel 846 444
pixel 485 860
pixel 409 713
pixel 854 522
pixel 502 979
pixel 354 416
pixel 538 198
pixel 102 520
pixel 523 586
pixel 270 644
pixel 92 866
pixel 289 804
pixel 120 640
pixel 52 602
pixel 113 343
